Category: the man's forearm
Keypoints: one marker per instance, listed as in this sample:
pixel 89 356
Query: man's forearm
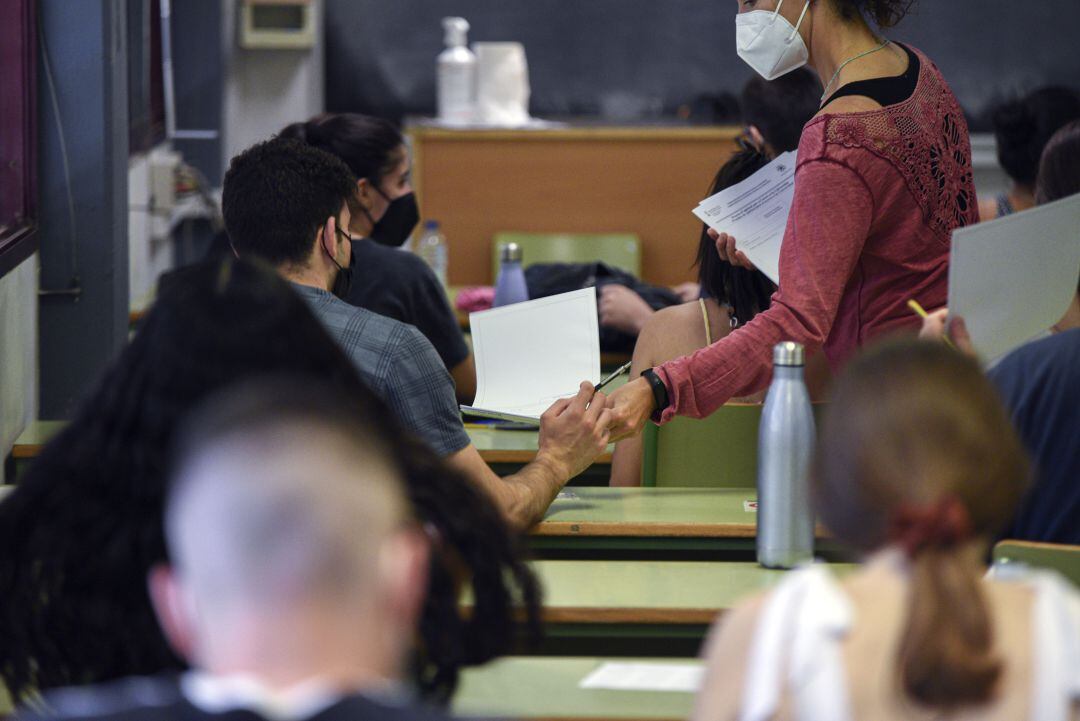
pixel 532 490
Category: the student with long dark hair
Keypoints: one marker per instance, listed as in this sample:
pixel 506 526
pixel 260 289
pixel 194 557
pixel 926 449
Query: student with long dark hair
pixel 731 297
pixel 917 467
pixel 84 526
pixel 384 213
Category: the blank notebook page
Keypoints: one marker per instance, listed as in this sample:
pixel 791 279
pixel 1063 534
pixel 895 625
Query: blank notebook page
pixel 528 355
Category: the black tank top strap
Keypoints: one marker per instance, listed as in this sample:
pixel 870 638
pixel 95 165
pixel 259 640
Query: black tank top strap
pixel 884 91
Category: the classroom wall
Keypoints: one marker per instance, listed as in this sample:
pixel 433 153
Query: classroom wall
pixel 18 353
pixel 381 55
pixel 264 90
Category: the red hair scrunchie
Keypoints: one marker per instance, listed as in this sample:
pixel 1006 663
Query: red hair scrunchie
pixel 942 524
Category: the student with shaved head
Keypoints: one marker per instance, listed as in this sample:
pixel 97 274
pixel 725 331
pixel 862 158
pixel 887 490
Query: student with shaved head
pixel 297 573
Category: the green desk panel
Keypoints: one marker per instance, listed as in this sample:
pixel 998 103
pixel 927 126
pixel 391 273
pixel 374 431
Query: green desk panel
pixel 646 592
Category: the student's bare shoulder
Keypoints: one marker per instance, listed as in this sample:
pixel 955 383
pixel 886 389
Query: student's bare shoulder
pixel 673 331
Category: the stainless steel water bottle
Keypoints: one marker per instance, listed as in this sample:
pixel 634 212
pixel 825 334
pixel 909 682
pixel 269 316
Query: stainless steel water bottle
pixel 785 518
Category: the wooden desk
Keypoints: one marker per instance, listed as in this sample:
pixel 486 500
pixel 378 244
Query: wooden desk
pixel 507 451
pixel 499 446
pixel 675 524
pixel 638 180
pixel 670 523
pixel 641 607
pixel 640 593
pixel 545 687
pixel 28 445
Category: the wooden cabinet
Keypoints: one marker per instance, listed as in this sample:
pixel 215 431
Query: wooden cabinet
pixel 643 180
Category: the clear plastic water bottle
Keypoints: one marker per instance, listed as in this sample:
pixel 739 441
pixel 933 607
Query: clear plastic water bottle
pixel 785 519
pixel 432 249
pixel 510 286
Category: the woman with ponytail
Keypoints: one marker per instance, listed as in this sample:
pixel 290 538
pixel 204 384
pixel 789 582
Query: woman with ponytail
pixel 918 468
pixel 83 527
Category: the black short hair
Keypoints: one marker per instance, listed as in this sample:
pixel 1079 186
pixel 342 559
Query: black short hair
pixel 1023 126
pixel 276 195
pixel 780 108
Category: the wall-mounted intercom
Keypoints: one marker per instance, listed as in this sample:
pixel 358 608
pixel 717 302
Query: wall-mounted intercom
pixel 277 24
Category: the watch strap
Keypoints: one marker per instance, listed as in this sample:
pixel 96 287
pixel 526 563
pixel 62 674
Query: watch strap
pixel 659 390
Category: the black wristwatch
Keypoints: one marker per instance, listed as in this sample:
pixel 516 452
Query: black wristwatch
pixel 659 390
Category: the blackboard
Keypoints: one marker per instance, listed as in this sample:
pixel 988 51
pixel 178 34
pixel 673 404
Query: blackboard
pixel 381 53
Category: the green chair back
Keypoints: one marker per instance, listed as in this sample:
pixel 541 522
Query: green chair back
pixel 715 452
pixel 1056 556
pixel 621 250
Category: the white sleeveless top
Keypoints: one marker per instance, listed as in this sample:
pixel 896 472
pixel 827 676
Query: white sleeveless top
pixel 803 623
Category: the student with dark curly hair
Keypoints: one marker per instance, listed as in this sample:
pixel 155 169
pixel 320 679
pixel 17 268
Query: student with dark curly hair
pixel 918 468
pixel 84 526
pixel 883 178
pixel 1022 128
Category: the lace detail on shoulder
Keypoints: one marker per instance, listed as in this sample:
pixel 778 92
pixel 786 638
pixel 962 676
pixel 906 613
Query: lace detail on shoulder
pixel 926 139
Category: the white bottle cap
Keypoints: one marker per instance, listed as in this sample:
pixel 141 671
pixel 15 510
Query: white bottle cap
pixel 456 31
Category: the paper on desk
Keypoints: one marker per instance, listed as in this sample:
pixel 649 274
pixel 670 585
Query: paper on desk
pixel 528 355
pixel 1012 278
pixel 755 213
pixel 683 677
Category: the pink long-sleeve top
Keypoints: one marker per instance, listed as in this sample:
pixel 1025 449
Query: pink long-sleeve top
pixel 877 195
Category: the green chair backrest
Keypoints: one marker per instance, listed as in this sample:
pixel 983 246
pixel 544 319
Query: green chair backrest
pixel 1056 556
pixel 621 250
pixel 715 452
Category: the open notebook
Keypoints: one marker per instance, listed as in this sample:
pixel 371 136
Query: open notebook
pixel 528 355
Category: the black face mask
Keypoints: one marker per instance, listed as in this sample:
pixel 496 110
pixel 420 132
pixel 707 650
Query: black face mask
pixel 343 281
pixel 398 222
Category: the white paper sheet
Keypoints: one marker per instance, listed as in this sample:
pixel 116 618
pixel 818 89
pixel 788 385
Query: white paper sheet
pixel 755 213
pixel 528 355
pixel 680 677
pixel 1012 278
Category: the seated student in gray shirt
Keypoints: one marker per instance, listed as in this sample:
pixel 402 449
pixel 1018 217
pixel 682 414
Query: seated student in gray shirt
pixel 287 203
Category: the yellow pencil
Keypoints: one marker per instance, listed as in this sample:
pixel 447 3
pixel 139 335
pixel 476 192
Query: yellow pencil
pixel 921 312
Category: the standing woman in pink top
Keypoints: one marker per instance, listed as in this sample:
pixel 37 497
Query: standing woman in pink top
pixel 883 177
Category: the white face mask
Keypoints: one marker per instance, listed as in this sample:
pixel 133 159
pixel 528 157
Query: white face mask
pixel 768 43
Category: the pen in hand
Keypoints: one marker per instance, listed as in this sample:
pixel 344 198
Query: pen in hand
pixel 921 312
pixel 625 368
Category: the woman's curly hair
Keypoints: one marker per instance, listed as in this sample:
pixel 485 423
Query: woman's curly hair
pixel 84 526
